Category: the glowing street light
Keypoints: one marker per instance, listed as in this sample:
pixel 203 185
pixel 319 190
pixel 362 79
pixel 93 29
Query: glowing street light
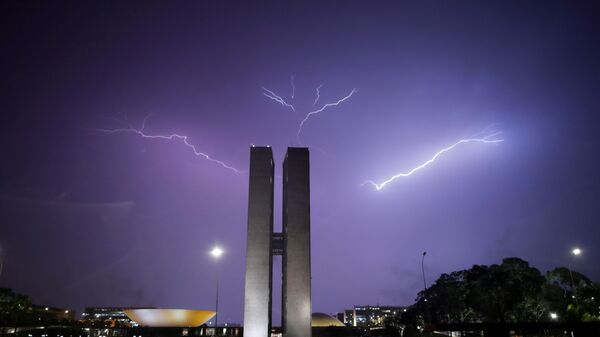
pixel 216 252
pixel 576 251
pixel 553 316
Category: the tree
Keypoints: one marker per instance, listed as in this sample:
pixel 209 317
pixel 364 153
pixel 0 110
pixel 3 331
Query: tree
pixel 567 280
pixel 589 302
pixel 510 292
pixel 505 292
pixel 445 300
pixel 14 308
pixel 573 295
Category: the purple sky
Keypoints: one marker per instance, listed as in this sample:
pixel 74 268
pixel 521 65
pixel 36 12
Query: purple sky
pixel 95 219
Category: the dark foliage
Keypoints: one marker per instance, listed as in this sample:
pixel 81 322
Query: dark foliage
pixel 512 291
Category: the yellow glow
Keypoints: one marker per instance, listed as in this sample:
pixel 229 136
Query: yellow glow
pixel 320 320
pixel 173 318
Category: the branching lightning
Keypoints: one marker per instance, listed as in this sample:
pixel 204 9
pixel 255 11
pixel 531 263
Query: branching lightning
pixel 323 108
pixel 174 136
pixel 273 96
pixel 270 94
pixel 318 94
pixel 492 138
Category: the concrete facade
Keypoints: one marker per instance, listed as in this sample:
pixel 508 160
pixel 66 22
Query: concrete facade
pixel 259 262
pixel 296 301
pixel 293 244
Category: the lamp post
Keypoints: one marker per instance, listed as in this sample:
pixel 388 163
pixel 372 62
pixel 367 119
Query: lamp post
pixel 1 262
pixel 424 288
pixel 423 271
pixel 216 253
pixel 575 252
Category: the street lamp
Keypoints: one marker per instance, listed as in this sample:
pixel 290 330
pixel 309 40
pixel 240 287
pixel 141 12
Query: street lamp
pixel 216 253
pixel 553 316
pixel 575 252
pixel 424 288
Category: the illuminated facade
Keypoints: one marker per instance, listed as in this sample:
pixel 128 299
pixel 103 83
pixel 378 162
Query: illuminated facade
pixel 293 244
pixel 296 301
pixel 371 315
pixel 259 261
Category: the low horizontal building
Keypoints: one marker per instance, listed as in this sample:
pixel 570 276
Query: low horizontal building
pixel 49 314
pixel 109 316
pixel 370 315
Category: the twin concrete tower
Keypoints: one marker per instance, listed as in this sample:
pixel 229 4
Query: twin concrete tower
pixel 293 243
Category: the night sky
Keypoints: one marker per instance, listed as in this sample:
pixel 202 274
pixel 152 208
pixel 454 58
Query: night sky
pixel 90 218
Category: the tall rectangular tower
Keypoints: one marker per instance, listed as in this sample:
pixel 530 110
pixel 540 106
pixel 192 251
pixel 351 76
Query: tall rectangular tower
pixel 296 301
pixel 259 262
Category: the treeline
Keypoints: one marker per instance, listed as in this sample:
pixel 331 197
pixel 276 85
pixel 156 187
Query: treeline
pixel 18 310
pixel 509 292
pixel 14 308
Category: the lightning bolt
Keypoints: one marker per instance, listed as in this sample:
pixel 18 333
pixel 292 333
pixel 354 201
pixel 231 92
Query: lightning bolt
pixel 174 136
pixel 270 94
pixel 318 95
pixel 293 86
pixel 489 139
pixel 323 108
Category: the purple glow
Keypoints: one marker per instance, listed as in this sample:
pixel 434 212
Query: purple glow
pixel 125 215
